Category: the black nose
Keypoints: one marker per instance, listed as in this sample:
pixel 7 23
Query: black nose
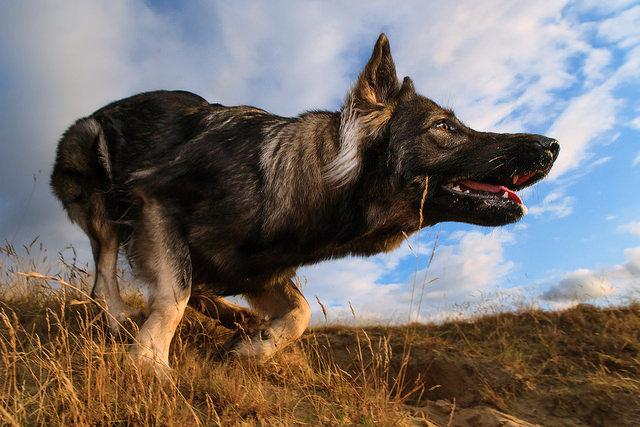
pixel 551 145
pixel 554 147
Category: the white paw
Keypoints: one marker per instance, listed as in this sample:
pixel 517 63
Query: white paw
pixel 149 357
pixel 121 317
pixel 258 346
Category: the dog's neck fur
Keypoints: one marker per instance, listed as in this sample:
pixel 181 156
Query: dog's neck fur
pixel 323 183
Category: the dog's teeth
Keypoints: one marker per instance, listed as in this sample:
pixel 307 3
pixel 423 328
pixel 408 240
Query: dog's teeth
pixel 515 178
pixel 466 191
pixel 505 195
pixel 457 188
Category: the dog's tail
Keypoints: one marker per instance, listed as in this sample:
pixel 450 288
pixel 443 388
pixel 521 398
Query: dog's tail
pixel 83 165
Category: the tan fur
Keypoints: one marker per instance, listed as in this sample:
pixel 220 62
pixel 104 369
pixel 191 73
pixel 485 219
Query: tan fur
pixel 287 315
pixel 364 115
pixel 229 315
pixel 294 199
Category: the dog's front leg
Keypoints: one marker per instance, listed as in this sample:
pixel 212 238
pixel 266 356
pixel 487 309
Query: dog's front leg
pixel 162 258
pixel 286 316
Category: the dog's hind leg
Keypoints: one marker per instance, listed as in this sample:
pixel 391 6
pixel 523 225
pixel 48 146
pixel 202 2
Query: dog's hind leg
pixel 104 244
pixel 105 287
pixel 286 316
pixel 231 316
pixel 161 256
pixel 82 179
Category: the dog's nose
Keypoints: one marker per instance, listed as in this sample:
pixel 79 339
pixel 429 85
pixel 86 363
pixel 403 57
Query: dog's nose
pixel 554 148
pixel 550 144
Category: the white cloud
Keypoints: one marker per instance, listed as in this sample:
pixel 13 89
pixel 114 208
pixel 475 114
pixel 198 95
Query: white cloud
pixel 599 162
pixel 623 29
pixel 608 7
pixel 515 68
pixel 615 283
pixel 585 118
pixel 595 65
pixel 631 227
pixel 474 264
pixel 470 266
pixel 636 160
pixel 64 59
pixel 297 54
pixel 592 114
pixel 633 261
pixel 556 204
pixel 579 285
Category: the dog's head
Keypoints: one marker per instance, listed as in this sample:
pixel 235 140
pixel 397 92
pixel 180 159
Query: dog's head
pixel 473 176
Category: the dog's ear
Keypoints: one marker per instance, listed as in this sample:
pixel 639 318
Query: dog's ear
pixel 407 90
pixel 378 82
pixel 364 117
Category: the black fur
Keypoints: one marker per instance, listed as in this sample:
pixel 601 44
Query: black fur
pixel 252 193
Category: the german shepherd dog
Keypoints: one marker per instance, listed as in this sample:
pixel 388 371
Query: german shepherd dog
pixel 210 201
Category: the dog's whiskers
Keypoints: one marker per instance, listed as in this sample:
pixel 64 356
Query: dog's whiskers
pixel 497 166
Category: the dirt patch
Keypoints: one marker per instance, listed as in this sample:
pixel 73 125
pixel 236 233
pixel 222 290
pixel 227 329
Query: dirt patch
pixel 444 413
pixel 578 367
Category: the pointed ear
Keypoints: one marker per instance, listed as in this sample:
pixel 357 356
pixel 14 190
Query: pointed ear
pixel 378 82
pixel 365 114
pixel 407 90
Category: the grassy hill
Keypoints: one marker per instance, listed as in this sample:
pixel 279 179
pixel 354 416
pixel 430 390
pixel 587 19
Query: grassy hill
pixel 581 366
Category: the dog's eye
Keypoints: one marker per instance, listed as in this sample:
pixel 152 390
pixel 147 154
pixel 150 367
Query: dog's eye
pixel 444 125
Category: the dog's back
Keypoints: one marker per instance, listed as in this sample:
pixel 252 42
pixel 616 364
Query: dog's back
pixel 86 166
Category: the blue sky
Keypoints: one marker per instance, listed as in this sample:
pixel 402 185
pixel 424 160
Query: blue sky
pixel 565 69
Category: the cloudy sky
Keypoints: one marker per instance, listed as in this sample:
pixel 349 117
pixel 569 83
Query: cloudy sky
pixel 566 69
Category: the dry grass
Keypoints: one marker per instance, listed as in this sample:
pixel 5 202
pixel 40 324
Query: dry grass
pixel 579 366
pixel 59 365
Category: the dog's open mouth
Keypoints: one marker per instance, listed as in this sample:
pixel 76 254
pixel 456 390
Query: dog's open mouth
pixel 501 192
pixel 477 191
pixel 480 189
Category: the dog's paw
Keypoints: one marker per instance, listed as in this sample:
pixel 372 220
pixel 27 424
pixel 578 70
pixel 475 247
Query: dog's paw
pixel 256 346
pixel 150 361
pixel 124 319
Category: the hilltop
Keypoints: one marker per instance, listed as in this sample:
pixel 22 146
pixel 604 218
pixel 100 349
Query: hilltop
pixel 580 366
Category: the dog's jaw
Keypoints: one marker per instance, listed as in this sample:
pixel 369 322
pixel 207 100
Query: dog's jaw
pixel 473 176
pixel 489 200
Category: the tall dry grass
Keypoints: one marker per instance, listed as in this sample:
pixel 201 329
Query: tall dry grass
pixel 60 365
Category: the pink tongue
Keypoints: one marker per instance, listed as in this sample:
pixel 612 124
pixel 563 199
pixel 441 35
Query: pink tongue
pixel 496 189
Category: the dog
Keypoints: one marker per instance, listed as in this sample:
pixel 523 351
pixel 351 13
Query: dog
pixel 210 201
